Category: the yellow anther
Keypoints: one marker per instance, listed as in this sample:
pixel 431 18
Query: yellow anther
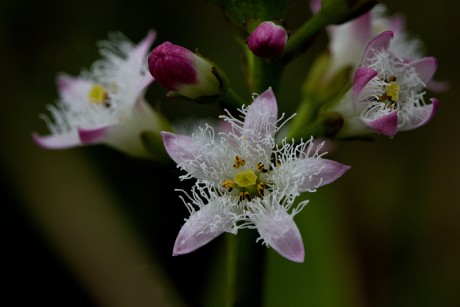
pixel 98 94
pixel 392 91
pixel 243 196
pixel 238 162
pixel 228 184
pixel 245 178
pixel 261 187
pixel 261 168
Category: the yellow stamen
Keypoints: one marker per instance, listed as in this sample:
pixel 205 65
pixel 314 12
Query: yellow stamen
pixel 261 168
pixel 261 187
pixel 244 195
pixel 245 178
pixel 228 184
pixel 238 162
pixel 98 94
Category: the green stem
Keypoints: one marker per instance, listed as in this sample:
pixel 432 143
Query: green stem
pixel 245 270
pixel 262 73
pixel 303 37
pixel 306 113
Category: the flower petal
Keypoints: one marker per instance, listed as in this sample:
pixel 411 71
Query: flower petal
pixel 381 41
pixel 362 77
pixel 73 90
pixel 140 51
pixel 386 124
pixel 398 23
pixel 425 67
pixel 261 117
pixel 57 141
pixel 186 152
pixel 421 116
pixel 143 47
pixel 438 86
pixel 203 226
pixel 278 230
pixel 315 6
pixel 92 136
pixel 307 174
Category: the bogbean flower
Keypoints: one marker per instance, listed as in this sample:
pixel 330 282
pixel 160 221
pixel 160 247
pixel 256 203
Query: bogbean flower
pixel 245 180
pixel 268 40
pixel 348 41
pixel 388 92
pixel 185 73
pixel 105 105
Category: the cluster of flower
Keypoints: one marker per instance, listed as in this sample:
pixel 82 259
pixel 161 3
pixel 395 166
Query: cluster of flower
pixel 245 176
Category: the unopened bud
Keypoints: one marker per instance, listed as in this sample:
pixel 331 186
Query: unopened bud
pixel 184 72
pixel 268 40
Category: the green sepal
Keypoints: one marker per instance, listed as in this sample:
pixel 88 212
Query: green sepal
pixel 320 91
pixel 153 143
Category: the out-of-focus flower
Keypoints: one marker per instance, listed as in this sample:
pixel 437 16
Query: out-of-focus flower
pixel 268 40
pixel 185 73
pixel 246 181
pixel 348 40
pixel 387 94
pixel 106 105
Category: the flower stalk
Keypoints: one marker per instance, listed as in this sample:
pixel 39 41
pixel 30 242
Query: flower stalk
pixel 245 270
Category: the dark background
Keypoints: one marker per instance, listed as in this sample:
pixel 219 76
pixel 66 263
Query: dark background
pixel 91 227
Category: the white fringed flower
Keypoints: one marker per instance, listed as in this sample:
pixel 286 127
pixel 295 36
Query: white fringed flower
pixel 245 180
pixel 349 40
pixel 106 104
pixel 388 92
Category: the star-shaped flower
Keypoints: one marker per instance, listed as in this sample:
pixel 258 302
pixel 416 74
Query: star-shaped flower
pixel 389 91
pixel 246 180
pixel 105 105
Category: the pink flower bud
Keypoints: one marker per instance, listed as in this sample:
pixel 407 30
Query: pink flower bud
pixel 182 71
pixel 268 40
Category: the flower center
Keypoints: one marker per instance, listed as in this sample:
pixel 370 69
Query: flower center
pixel 98 95
pixel 392 90
pixel 245 178
pixel 246 184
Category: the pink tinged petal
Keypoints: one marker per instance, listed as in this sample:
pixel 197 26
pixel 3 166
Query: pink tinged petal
pixel 421 116
pixel 397 23
pixel 362 77
pixel 438 86
pixel 378 43
pixel 278 230
pixel 143 47
pixel 315 5
pixel 178 146
pixel 203 226
pixel 141 51
pixel 330 172
pixel 92 136
pixel 308 174
pixel 172 66
pixel 185 151
pixel 361 29
pixel 57 141
pixel 261 117
pixel 386 124
pixel 425 68
pixel 73 90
